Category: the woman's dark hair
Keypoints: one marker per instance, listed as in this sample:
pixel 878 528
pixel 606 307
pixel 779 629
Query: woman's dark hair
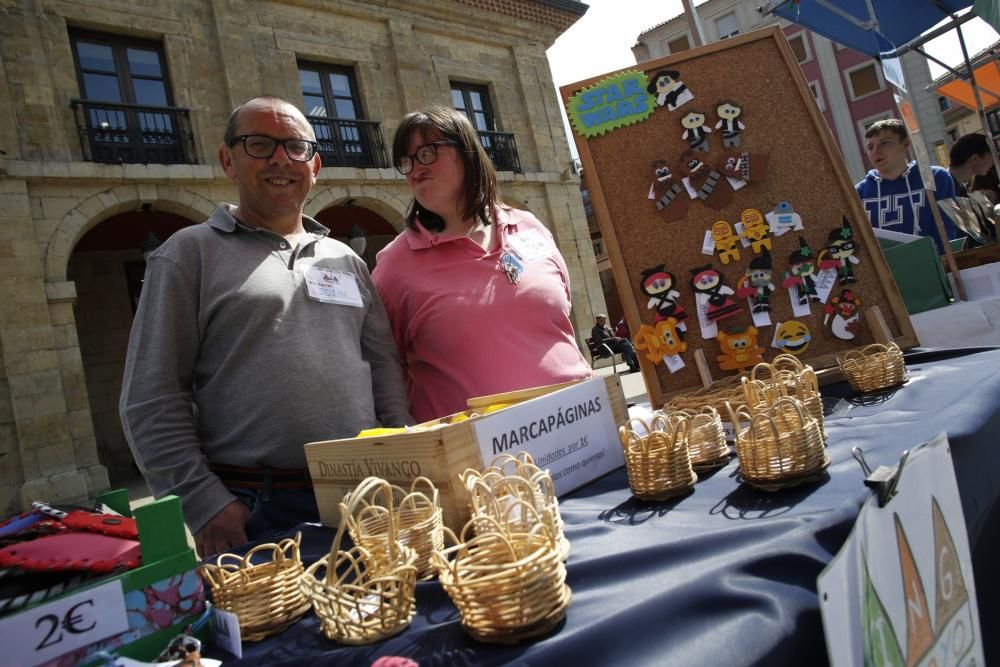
pixel 437 123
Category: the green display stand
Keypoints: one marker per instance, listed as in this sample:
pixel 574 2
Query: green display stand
pixel 918 273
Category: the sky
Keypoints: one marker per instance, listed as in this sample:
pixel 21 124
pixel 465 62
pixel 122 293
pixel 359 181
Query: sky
pixel 601 41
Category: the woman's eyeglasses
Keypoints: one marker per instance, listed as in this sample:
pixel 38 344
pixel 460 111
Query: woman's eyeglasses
pixel 425 155
pixel 263 147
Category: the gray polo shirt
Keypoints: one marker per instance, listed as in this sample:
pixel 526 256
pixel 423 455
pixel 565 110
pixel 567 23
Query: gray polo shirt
pixel 232 361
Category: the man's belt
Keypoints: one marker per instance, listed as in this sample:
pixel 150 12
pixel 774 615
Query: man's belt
pixel 261 478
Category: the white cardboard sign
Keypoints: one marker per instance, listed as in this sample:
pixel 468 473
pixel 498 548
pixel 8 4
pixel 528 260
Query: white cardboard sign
pixel 54 629
pixel 900 591
pixel 571 432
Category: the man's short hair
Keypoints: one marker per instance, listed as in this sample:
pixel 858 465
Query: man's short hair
pixel 600 316
pixel 230 134
pixel 966 146
pixel 893 125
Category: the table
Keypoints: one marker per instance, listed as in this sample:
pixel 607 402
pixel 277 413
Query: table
pixel 726 575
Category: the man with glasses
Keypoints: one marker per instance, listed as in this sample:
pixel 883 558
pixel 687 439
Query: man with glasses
pixel 255 334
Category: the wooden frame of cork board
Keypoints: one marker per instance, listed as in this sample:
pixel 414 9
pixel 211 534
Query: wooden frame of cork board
pixel 804 166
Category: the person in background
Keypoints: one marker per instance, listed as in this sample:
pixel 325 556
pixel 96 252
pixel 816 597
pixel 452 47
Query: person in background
pixel 970 158
pixel 602 333
pixel 477 293
pixel 893 192
pixel 255 334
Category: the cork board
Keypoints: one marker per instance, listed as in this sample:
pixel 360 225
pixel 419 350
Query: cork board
pixel 803 166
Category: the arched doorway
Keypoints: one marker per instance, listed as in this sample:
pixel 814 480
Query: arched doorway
pixel 348 222
pixel 107 266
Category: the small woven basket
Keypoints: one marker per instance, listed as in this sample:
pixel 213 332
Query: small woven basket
pixel 706 439
pixel 417 515
pixel 784 378
pixel 508 585
pixel 359 598
pixel 658 462
pixel 716 395
pixel 265 596
pixel 781 446
pixel 508 479
pixel 874 368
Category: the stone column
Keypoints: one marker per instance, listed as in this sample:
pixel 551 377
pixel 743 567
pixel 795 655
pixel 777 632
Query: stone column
pixel 57 465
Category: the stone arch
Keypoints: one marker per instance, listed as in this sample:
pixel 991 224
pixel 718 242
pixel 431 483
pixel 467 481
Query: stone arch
pixel 380 200
pixel 101 206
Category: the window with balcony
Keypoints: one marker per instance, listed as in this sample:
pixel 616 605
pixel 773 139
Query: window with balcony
pixel 474 101
pixel 727 26
pixel 800 47
pixel 332 107
pixel 126 111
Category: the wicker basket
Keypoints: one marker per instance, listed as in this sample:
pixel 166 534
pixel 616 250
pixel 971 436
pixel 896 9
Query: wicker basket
pixel 658 462
pixel 359 598
pixel 508 479
pixel 874 368
pixel 418 521
pixel 716 395
pixel 769 382
pixel 265 596
pixel 508 585
pixel 706 439
pixel 781 446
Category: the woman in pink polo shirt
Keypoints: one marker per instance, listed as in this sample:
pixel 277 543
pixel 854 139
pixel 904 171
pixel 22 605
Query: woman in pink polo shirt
pixel 477 292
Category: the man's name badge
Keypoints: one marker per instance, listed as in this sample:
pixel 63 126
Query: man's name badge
pixel 329 286
pixel 529 245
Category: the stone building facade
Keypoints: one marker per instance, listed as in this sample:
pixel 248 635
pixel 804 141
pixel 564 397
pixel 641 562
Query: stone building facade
pixel 114 113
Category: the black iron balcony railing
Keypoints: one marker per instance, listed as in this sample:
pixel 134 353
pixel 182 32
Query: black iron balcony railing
pixel 502 149
pixel 129 133
pixel 350 143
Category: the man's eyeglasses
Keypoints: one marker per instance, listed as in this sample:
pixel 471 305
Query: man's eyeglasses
pixel 263 147
pixel 425 155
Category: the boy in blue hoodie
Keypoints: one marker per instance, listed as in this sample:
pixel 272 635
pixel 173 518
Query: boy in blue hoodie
pixel 893 193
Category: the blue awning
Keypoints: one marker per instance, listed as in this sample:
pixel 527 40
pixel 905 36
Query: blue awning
pixel 850 23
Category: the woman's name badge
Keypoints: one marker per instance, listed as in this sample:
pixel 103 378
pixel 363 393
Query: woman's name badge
pixel 330 286
pixel 529 245
pixel 511 266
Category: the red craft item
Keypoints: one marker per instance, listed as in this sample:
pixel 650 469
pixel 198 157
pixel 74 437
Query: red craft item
pixel 105 524
pixel 72 551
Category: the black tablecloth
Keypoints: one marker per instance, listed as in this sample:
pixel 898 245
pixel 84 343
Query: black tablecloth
pixel 726 575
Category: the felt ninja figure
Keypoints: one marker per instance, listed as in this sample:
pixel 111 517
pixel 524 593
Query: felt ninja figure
pixel 658 284
pixel 695 130
pixel 739 349
pixel 756 283
pixel 802 273
pixel 839 253
pixel 846 323
pixel 670 91
pixel 726 242
pixel 702 181
pixel 708 286
pixel 729 113
pixel 668 192
pixel 755 230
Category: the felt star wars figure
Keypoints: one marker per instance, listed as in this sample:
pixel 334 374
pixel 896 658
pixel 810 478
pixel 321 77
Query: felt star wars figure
pixel 711 291
pixel 729 113
pixel 792 337
pixel 668 192
pixel 755 230
pixel 756 283
pixel 695 130
pixel 846 318
pixel 739 349
pixel 658 284
pixel 701 182
pixel 670 91
pixel 802 273
pixel 727 244
pixel 784 218
pixel 839 253
pixel 664 339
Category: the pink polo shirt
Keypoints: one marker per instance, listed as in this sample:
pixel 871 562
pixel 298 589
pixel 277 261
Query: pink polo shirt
pixel 463 329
